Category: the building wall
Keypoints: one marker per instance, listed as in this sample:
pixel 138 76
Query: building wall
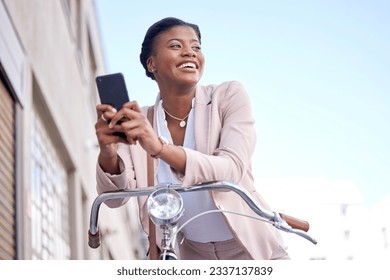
pixel 50 54
pixel 344 227
pixel 380 223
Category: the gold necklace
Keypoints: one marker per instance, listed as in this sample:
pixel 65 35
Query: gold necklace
pixel 182 121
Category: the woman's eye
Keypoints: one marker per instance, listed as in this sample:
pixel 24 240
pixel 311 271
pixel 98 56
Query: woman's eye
pixel 175 46
pixel 197 48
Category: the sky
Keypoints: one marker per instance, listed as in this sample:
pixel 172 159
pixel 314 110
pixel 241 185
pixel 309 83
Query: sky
pixel 317 72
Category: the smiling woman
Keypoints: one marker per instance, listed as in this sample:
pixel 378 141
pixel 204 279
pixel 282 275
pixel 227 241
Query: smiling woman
pixel 197 134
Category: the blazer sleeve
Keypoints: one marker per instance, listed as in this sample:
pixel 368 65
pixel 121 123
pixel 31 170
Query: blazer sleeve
pixel 124 180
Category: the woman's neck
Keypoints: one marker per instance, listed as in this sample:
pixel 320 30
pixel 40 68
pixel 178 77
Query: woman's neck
pixel 178 102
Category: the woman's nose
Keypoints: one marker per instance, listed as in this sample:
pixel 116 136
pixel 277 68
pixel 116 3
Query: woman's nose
pixel 188 51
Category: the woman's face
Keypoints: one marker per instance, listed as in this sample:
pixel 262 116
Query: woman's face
pixel 177 57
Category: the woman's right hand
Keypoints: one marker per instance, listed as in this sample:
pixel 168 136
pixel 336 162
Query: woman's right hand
pixel 108 143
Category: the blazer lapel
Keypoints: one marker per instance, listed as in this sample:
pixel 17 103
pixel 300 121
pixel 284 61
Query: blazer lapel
pixel 202 119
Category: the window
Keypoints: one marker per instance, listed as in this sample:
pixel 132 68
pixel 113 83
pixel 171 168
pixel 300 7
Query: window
pixel 73 14
pixel 385 241
pixel 49 196
pixel 347 235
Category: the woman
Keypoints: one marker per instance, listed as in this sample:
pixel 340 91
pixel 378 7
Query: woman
pixel 199 133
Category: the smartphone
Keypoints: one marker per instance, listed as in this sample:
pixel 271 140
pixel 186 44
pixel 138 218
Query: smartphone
pixel 112 90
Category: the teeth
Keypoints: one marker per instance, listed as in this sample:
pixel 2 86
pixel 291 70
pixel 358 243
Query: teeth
pixel 189 64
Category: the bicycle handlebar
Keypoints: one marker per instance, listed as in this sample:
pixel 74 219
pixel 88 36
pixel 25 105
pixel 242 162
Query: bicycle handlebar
pixel 295 222
pixel 280 221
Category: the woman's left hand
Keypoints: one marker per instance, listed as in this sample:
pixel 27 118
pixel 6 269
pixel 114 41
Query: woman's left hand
pixel 137 127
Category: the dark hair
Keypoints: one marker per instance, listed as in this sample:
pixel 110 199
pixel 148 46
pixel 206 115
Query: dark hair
pixel 156 29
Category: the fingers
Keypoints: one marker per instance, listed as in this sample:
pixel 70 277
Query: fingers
pixel 128 121
pixel 133 105
pixel 129 111
pixel 101 108
pixel 104 134
pixel 110 111
pixel 119 133
pixel 105 112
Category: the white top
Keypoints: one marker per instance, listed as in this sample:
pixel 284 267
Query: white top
pixel 207 228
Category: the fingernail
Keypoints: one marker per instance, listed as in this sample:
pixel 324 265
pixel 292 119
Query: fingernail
pixel 114 110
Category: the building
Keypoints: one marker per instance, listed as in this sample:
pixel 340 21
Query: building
pixel 50 53
pixel 344 227
pixel 379 220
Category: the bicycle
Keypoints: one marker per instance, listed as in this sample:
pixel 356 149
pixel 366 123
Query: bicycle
pixel 165 207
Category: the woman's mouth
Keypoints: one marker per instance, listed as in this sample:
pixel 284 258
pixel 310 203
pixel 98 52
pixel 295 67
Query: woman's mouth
pixel 190 65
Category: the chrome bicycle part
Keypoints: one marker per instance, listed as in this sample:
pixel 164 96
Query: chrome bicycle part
pixel 167 197
pixel 165 207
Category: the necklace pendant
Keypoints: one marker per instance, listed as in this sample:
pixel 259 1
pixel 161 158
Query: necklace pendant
pixel 183 123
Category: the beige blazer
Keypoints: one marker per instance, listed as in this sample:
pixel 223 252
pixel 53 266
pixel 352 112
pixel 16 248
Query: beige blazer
pixel 225 141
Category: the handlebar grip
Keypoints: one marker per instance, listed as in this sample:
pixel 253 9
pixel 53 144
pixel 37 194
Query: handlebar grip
pixel 94 239
pixel 295 222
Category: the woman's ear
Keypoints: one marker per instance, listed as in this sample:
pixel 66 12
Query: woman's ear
pixel 150 65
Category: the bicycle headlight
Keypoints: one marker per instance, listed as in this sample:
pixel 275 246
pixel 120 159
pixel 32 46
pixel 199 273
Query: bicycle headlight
pixel 165 206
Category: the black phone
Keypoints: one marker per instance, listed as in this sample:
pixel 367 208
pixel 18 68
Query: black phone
pixel 113 91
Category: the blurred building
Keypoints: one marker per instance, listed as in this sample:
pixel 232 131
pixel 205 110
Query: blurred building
pixel 381 224
pixel 50 53
pixel 345 228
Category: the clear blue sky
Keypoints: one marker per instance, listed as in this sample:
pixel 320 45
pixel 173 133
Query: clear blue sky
pixel 318 74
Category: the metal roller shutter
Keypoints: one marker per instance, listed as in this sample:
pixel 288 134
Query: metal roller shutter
pixel 7 178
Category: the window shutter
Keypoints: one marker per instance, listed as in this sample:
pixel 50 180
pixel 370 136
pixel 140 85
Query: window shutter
pixel 7 178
